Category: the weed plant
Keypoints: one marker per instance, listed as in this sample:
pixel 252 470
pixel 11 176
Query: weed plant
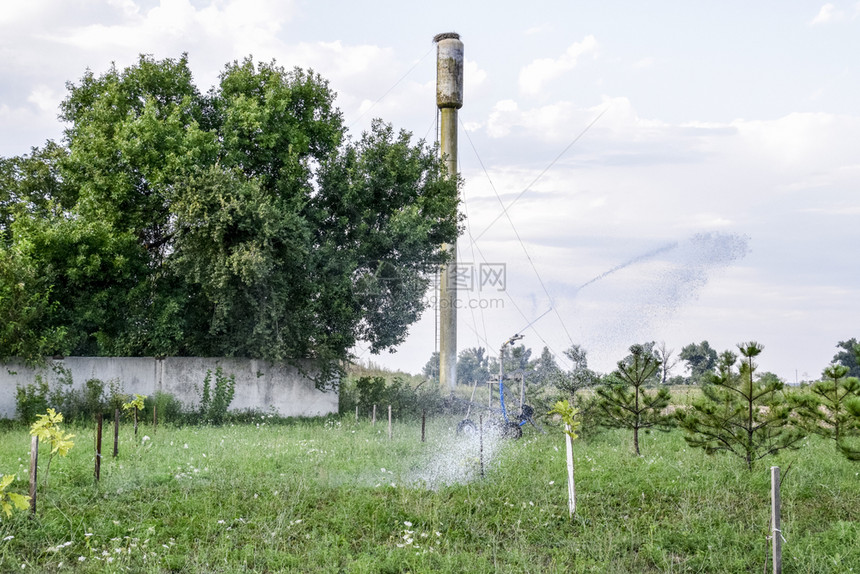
pixel 337 495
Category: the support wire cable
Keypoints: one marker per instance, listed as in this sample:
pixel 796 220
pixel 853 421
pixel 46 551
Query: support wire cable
pixel 523 315
pixel 541 174
pixel 472 249
pixel 516 233
pixel 389 90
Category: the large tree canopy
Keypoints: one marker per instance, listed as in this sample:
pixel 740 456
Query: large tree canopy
pixel 239 222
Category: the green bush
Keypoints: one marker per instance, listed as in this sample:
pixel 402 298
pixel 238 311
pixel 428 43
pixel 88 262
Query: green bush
pixel 170 409
pixel 76 404
pixel 79 404
pixel 371 391
pixel 405 400
pixel 31 400
pixel 215 402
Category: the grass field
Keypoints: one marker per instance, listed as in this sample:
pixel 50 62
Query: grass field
pixel 337 495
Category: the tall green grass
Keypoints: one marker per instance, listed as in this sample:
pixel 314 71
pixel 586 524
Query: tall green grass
pixel 336 495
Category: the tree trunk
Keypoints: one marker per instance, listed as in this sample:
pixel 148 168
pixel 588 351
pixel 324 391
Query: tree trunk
pixel 636 440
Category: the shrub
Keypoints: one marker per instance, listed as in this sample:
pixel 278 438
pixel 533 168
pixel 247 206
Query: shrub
pixel 215 401
pixel 80 404
pixel 31 400
pixel 405 400
pixel 170 409
pixel 371 391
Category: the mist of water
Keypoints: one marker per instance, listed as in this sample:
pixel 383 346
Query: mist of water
pixel 455 459
pixel 631 299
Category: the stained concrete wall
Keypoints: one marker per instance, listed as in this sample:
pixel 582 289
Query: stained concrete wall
pixel 268 387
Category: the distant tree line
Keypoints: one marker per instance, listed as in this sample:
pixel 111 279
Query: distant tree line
pixel 739 410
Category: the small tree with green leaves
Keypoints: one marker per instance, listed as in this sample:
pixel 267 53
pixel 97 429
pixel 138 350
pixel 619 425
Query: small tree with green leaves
pixel 571 424
pixel 848 355
pixel 134 406
pixel 216 399
pixel 623 400
pixel 579 376
pixel 824 409
pixel 852 450
pixel 740 413
pixel 47 428
pixel 10 500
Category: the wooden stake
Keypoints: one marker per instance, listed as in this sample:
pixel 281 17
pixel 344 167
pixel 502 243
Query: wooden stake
pixel 373 418
pixel 389 422
pixel 776 533
pixel 115 433
pixel 98 470
pixel 356 413
pixel 423 423
pixel 135 422
pixel 154 417
pixel 34 471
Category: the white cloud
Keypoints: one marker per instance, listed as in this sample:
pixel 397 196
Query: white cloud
pixel 477 76
pixel 345 64
pixel 560 121
pixel 19 124
pixel 217 32
pixel 801 142
pixel 503 116
pixel 828 13
pixel 46 99
pixel 14 12
pixel 536 74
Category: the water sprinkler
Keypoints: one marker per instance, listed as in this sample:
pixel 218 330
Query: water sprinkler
pixel 508 428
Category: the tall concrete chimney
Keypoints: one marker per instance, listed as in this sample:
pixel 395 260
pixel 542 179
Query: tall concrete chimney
pixel 449 99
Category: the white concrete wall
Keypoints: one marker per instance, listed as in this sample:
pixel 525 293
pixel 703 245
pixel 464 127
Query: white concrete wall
pixel 260 385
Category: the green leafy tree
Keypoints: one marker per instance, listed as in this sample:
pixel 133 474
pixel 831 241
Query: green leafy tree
pixel 851 448
pixel 824 408
pixel 32 186
pixel 579 376
pixel 625 403
pixel 740 413
pixel 516 359
pixel 472 366
pixel 431 367
pixel 849 356
pixel 701 359
pixel 545 369
pixel 240 222
pixel 26 310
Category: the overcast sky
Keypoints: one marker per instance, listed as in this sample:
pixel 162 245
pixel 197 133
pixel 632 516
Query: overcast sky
pixel 680 170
